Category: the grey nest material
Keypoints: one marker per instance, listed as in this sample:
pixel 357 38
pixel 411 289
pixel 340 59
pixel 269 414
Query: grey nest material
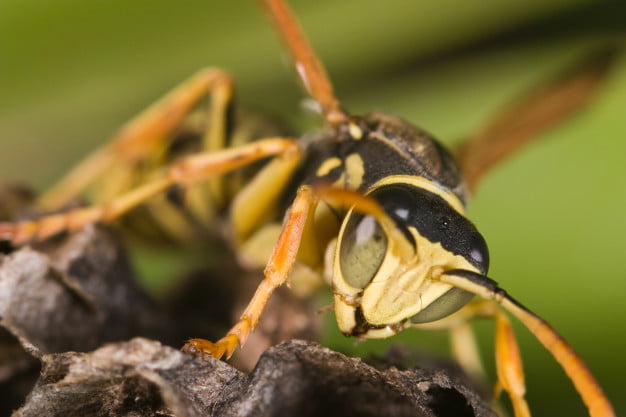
pixel 71 313
pixel 144 378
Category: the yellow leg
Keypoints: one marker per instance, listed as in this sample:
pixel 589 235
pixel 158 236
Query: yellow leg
pixel 146 133
pixel 276 273
pixel 187 171
pixel 584 382
pixel 255 201
pixel 509 366
pixel 285 254
pixel 508 359
pixel 465 350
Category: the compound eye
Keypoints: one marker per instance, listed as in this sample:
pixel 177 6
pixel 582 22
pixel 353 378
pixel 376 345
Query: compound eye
pixel 478 252
pixel 443 306
pixel 363 247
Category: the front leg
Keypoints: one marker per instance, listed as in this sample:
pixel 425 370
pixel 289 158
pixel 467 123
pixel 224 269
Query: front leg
pixel 276 273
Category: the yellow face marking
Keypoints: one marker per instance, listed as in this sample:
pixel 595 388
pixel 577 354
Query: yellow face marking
pixel 400 289
pixel 403 288
pixel 327 166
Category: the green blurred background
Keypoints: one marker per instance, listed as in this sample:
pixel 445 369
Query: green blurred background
pixel 554 215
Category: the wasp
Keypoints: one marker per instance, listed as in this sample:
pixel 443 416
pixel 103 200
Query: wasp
pixel 372 203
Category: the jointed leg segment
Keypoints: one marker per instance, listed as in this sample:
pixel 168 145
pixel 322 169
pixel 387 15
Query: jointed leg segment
pixel 187 171
pixel 149 130
pixel 509 372
pixel 508 359
pixel 509 366
pixel 276 273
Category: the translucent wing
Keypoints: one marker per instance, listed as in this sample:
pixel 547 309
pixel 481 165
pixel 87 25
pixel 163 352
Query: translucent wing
pixel 530 115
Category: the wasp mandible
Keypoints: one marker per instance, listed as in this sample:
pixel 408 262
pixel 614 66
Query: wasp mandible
pixel 374 200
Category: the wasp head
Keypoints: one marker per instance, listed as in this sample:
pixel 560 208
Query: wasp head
pixel 385 271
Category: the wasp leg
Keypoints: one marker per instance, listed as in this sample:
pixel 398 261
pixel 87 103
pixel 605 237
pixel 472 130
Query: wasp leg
pixel 145 133
pixel 276 273
pixel 529 116
pixel 508 359
pixel 256 200
pixel 584 382
pixel 188 171
pixel 285 254
pixel 509 366
pixel 465 350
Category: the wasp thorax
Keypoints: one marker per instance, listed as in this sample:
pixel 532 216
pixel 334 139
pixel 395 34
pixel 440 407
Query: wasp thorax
pixel 379 289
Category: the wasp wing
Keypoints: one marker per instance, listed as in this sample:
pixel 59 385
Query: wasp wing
pixel 532 114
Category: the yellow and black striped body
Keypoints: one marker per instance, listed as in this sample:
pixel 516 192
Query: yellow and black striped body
pixel 189 216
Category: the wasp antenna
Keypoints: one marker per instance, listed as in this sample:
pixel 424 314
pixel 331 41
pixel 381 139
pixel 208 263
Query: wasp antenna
pixel 308 66
pixel 584 382
pixel 367 205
